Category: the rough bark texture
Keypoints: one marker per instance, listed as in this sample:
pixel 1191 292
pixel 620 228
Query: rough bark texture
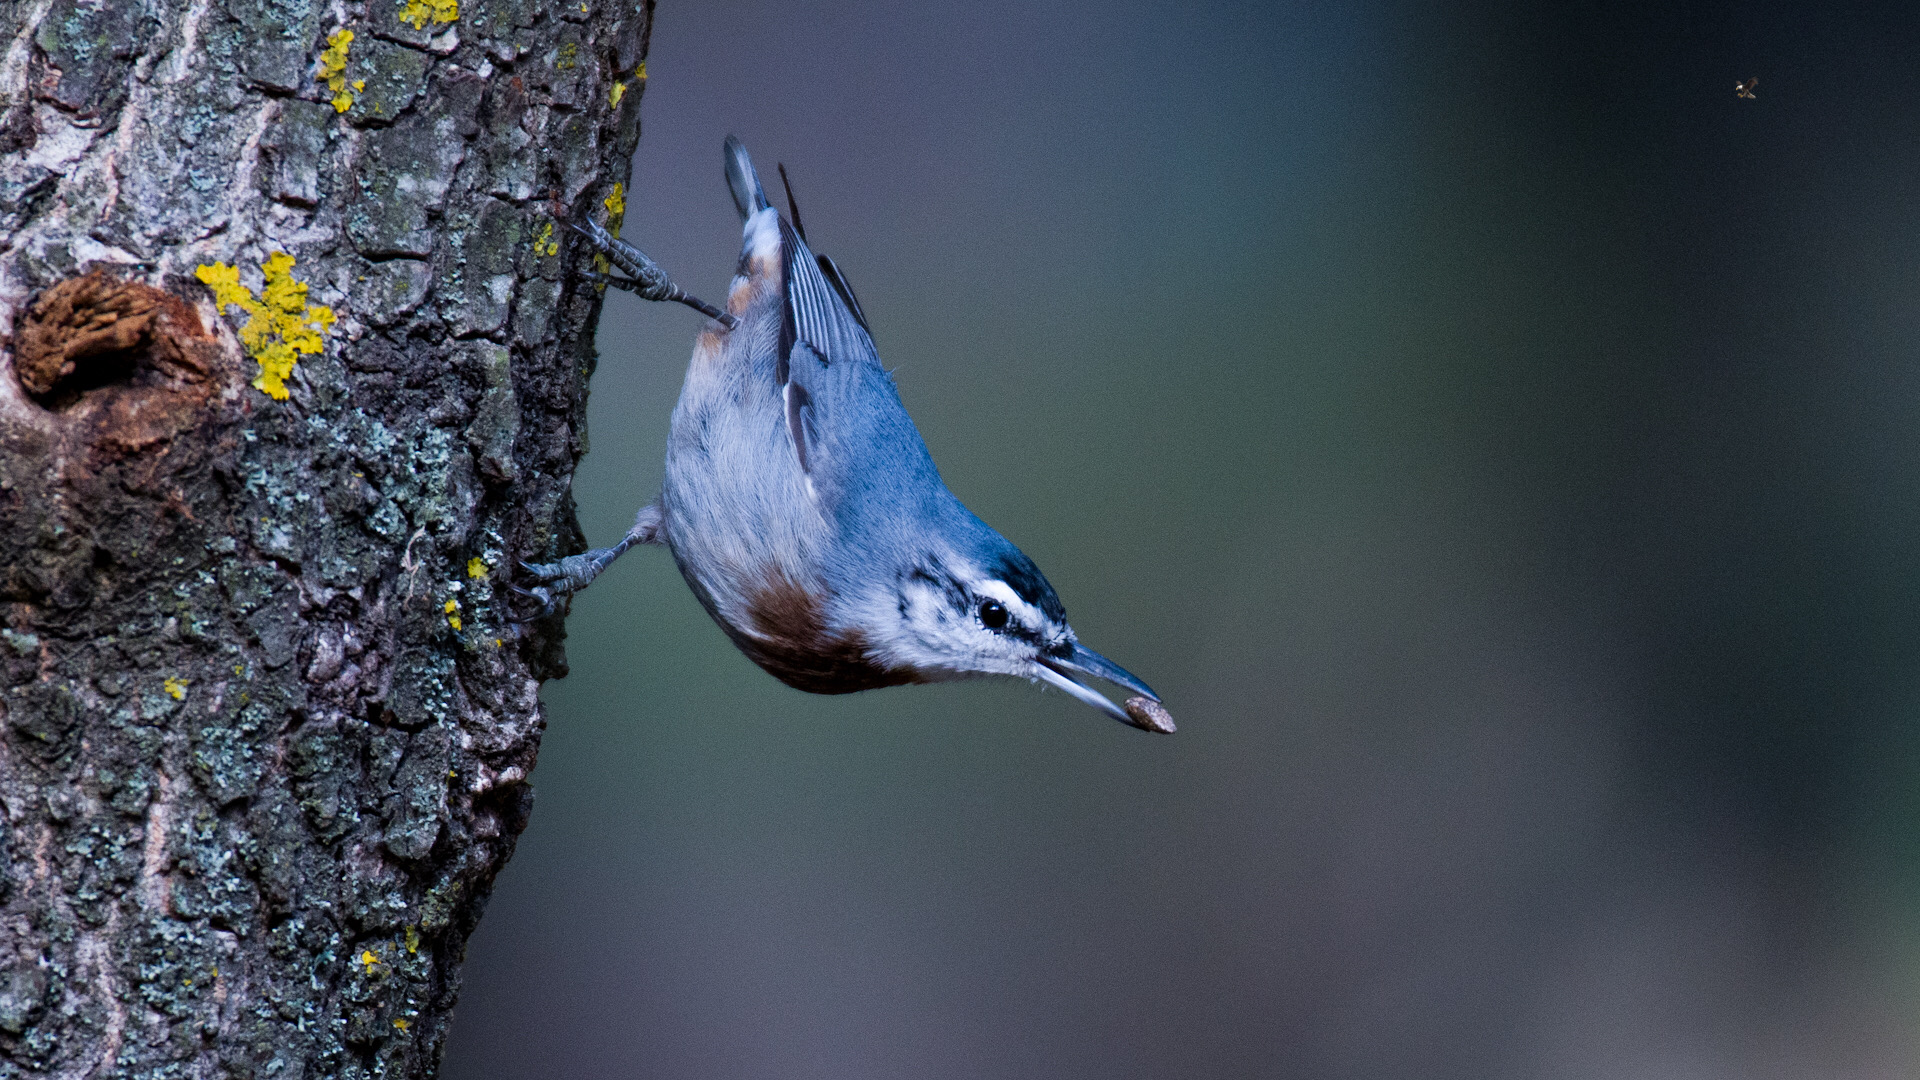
pixel 264 725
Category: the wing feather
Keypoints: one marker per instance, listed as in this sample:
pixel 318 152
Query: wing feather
pixel 819 315
pixel 821 328
pixel 798 400
pixel 845 288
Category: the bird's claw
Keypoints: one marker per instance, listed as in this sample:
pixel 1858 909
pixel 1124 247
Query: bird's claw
pixel 549 603
pixel 555 582
pixel 644 277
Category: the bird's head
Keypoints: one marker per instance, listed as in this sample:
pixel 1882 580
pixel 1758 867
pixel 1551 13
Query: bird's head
pixel 990 611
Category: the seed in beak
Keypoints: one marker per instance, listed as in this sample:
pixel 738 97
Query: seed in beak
pixel 1149 715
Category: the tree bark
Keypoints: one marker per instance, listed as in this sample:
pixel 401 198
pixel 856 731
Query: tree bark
pixel 265 724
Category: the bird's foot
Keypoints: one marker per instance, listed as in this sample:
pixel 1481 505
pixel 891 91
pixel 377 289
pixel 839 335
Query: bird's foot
pixel 555 582
pixel 644 277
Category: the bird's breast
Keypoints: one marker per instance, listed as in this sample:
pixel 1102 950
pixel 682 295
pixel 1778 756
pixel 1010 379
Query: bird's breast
pixel 786 631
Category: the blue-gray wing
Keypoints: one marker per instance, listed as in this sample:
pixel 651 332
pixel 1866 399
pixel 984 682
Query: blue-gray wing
pixel 855 445
pixel 826 354
pixel 821 310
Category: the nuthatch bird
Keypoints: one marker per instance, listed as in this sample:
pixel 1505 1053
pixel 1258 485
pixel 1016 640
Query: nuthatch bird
pixel 803 508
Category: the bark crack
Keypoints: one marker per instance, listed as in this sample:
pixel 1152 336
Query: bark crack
pixel 95 951
pixel 157 884
pixel 13 70
pixel 181 57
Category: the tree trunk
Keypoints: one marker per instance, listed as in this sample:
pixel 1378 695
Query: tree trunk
pixel 264 721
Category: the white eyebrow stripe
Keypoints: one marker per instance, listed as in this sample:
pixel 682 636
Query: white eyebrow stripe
pixel 1027 615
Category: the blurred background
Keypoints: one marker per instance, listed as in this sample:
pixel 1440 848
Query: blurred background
pixel 1495 439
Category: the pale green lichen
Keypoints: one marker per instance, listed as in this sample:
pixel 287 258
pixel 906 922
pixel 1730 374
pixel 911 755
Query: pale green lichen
pixel 280 323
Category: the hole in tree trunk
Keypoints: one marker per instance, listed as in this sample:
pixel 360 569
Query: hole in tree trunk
pixel 88 333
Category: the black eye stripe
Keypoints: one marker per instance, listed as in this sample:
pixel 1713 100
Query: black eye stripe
pixel 935 577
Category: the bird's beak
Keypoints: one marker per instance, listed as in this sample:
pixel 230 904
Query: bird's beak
pixel 1142 711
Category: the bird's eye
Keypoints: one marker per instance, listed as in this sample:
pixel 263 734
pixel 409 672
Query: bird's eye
pixel 993 614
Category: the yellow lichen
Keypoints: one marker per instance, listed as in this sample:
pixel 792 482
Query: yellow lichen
pixel 273 332
pixel 280 323
pixel 453 620
pixel 176 688
pixel 616 204
pixel 413 935
pixel 333 69
pixel 543 241
pixel 641 71
pixel 569 57
pixel 418 13
pixel 614 95
pixel 476 567
pixel 401 1024
pixel 368 960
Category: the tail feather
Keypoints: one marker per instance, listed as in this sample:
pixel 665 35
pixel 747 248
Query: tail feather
pixel 793 208
pixel 748 197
